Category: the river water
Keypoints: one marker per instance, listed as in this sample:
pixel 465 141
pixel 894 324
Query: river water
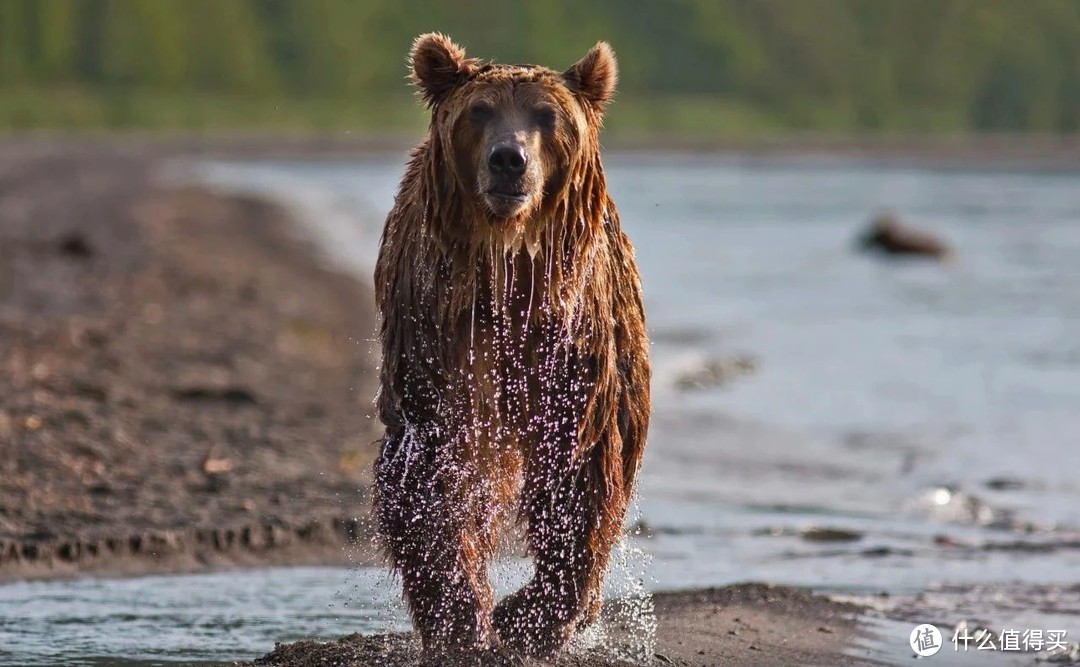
pixel 822 418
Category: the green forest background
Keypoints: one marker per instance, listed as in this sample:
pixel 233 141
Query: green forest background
pixel 727 68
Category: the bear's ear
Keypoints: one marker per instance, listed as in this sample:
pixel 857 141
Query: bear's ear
pixel 438 66
pixel 593 77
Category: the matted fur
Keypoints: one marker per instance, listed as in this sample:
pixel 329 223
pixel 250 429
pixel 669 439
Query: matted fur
pixel 515 374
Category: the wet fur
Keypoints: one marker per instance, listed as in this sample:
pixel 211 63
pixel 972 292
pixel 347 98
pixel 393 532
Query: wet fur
pixel 515 375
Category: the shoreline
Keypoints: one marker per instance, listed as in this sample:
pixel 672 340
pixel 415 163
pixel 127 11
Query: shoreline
pixel 183 389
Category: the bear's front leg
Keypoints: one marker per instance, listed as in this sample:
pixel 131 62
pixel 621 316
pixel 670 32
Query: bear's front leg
pixel 575 513
pixel 432 542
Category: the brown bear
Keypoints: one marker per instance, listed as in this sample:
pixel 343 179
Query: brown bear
pixel 515 368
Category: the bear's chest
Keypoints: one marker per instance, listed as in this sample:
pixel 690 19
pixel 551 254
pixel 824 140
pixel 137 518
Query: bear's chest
pixel 513 345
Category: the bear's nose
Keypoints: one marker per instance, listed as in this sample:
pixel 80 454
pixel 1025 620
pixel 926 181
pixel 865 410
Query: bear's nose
pixel 507 161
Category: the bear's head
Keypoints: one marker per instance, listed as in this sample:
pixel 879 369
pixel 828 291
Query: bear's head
pixel 514 136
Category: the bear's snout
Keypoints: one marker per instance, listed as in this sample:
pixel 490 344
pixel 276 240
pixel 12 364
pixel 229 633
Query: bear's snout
pixel 509 178
pixel 507 163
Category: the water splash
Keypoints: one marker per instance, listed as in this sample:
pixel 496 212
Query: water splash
pixel 627 629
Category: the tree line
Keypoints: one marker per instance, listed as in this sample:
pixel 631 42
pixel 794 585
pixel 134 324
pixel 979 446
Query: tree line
pixel 987 65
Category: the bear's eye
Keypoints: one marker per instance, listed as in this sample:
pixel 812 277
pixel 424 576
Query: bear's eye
pixel 545 118
pixel 481 113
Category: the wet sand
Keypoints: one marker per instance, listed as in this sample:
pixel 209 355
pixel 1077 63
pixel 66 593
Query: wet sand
pixel 749 624
pixel 183 383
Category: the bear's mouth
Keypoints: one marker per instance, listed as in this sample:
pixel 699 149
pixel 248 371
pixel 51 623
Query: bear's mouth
pixel 508 195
